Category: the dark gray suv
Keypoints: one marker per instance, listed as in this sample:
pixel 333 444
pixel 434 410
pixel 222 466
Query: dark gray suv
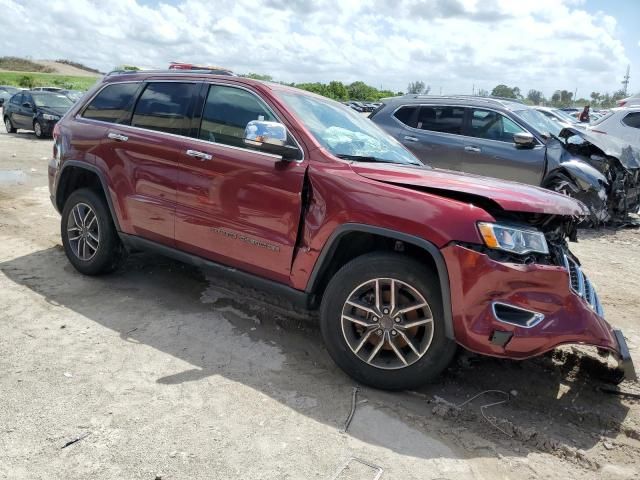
pixel 509 140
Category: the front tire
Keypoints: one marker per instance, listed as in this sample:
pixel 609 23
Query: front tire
pixel 37 129
pixel 382 321
pixel 8 125
pixel 89 237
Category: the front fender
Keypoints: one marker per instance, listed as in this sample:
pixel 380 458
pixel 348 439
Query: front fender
pixel 590 186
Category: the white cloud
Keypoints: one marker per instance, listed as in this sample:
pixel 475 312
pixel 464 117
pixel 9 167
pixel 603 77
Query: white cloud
pixel 452 44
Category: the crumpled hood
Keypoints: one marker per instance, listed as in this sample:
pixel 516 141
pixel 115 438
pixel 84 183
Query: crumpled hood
pixel 510 196
pixel 611 146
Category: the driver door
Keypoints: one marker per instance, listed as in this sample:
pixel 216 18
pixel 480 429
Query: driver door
pixel 237 205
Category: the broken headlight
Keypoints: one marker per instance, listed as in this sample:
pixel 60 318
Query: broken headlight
pixel 513 239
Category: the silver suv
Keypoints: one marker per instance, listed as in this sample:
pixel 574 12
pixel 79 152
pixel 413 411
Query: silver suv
pixel 506 139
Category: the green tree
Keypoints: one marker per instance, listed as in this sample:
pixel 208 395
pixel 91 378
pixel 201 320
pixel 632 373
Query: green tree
pixel 258 76
pixel 337 91
pixel 595 98
pixel 504 91
pixel 417 87
pixel 361 91
pixel 535 96
pixel 27 81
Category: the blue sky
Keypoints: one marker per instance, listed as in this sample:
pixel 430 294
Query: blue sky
pixel 627 15
pixel 454 46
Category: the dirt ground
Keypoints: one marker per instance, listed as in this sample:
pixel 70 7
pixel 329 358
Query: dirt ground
pixel 164 371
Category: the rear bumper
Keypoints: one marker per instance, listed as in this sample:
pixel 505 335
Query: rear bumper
pixel 478 283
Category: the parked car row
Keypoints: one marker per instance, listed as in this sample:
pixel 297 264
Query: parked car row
pixel 511 141
pixel 37 110
pixel 362 106
pixel 310 200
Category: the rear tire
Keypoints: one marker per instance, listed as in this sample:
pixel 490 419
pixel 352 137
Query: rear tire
pixel 8 125
pixel 89 236
pixel 372 343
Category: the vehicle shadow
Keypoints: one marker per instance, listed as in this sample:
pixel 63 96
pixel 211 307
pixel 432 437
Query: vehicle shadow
pixel 223 329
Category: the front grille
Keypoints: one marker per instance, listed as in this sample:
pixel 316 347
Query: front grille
pixel 581 285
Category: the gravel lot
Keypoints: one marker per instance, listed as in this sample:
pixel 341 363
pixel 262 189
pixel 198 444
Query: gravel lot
pixel 172 373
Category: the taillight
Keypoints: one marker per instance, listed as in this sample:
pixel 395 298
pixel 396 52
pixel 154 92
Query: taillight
pixel 621 103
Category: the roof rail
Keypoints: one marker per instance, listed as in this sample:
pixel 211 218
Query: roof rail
pixel 172 72
pixel 475 97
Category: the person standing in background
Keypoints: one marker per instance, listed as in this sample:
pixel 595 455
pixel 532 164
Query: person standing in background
pixel 584 115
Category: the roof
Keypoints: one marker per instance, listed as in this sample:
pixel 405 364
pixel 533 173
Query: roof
pixel 474 100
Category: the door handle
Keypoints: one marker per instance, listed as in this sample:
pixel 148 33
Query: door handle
pixel 410 139
pixel 470 148
pixel 118 137
pixel 201 155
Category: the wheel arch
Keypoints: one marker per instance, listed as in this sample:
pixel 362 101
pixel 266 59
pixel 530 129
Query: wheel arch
pixel 584 175
pixel 75 175
pixel 354 239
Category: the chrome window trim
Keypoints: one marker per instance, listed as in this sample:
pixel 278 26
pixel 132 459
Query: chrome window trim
pixel 121 125
pixel 536 316
pixel 393 115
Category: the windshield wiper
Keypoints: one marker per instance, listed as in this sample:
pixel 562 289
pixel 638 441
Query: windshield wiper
pixel 371 158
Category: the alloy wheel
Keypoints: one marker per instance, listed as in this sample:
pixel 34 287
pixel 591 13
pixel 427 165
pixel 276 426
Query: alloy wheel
pixel 37 129
pixel 387 323
pixel 7 125
pixel 83 231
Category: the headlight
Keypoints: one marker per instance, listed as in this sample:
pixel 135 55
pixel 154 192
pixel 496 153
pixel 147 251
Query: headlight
pixel 46 116
pixel 513 239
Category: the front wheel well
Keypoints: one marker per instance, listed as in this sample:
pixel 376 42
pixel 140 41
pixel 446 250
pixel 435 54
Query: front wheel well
pixel 351 245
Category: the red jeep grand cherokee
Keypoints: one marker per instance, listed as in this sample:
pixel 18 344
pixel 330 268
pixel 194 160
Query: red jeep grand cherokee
pixel 311 200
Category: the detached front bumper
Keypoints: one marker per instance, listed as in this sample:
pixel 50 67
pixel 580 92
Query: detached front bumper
pixel 520 311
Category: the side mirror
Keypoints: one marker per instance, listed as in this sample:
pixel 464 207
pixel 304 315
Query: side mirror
pixel 26 105
pixel 270 137
pixel 524 140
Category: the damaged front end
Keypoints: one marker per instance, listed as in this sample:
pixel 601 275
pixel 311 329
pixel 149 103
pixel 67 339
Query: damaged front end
pixel 601 171
pixel 537 301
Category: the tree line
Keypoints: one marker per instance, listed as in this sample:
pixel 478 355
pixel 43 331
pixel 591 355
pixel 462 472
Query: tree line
pixel 560 98
pixel 363 92
pixel 336 90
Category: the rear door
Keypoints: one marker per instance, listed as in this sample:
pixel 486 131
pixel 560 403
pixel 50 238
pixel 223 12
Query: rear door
pixel 237 205
pixel 147 151
pixel 489 149
pixel 432 132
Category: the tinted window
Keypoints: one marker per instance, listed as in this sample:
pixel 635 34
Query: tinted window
pixel 493 126
pixel 165 107
pixel 441 119
pixel 227 112
pixel 632 120
pixel 113 104
pixel 17 99
pixel 407 115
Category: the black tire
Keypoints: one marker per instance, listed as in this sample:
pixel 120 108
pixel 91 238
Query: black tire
pixel 348 279
pixel 9 126
pixel 110 251
pixel 37 129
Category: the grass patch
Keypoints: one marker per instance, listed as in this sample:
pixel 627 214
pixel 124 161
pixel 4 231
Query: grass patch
pixel 34 79
pixel 22 65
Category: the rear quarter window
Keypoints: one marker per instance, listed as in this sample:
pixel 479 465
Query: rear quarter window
pixel 113 104
pixel 632 120
pixel 165 107
pixel 407 115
